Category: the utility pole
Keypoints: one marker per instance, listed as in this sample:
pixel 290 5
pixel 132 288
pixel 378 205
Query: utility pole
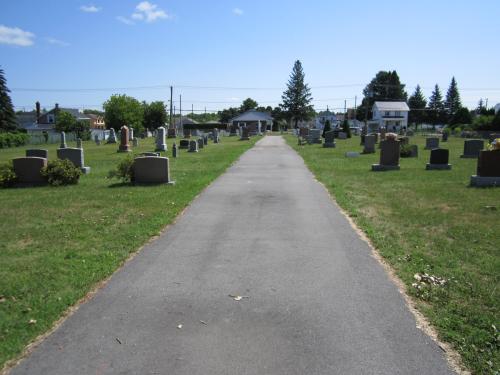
pixel 192 109
pixel 486 106
pixel 171 103
pixel 180 111
pixel 355 102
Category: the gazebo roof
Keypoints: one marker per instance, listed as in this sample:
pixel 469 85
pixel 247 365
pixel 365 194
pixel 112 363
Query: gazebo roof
pixel 252 115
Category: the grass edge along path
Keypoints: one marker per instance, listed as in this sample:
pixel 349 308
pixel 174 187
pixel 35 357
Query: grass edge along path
pixel 59 244
pixel 426 222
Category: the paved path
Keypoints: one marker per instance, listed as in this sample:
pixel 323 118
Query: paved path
pixel 318 302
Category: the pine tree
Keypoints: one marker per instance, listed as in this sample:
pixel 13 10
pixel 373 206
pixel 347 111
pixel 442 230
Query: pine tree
pixel 452 102
pixel 417 103
pixel 7 114
pixel 297 97
pixel 435 113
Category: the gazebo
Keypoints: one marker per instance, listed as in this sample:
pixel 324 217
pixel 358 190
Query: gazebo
pixel 254 120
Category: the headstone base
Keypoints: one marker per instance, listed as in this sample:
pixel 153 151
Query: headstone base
pixel 244 138
pixel 193 150
pixel 368 152
pixel 469 156
pixel 161 148
pixel 352 154
pixel 85 170
pixel 430 167
pixel 380 167
pixel 124 149
pixel 484 181
pixel 329 145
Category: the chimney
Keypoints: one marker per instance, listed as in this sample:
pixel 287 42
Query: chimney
pixel 37 105
pixel 57 107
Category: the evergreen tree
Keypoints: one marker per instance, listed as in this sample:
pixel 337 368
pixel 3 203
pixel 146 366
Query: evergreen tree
pixel 7 114
pixel 462 116
pixel 417 103
pixel 452 102
pixel 346 128
pixel 297 97
pixel 435 114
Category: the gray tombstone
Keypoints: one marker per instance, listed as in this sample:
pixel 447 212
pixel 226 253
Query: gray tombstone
pixel 97 140
pixel 342 135
pixel 193 146
pixel 175 152
pixel 472 147
pixel 135 142
pixel 375 135
pixel 79 143
pixel 444 137
pixel 63 140
pixel 405 140
pixel 152 170
pixel 184 144
pixel 186 133
pixel 201 144
pixel 74 155
pixel 369 144
pixel 38 153
pixel 112 136
pixel 329 140
pixel 413 151
pixel 161 144
pixel 131 134
pixel 28 170
pixel 245 134
pixel 389 156
pixel 205 140
pixel 149 154
pixel 351 154
pixel 431 143
pixel 439 159
pixel 315 136
pixel 171 133
pixel 383 132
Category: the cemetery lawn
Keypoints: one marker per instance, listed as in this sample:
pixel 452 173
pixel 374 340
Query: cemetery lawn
pixel 57 243
pixel 428 221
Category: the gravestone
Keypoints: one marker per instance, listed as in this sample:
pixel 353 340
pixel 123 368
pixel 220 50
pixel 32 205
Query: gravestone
pixel 431 142
pixel 135 142
pixel 351 154
pixel 175 152
pixel 205 140
pixel 149 154
pixel 315 136
pixel 439 159
pixel 405 140
pixel 161 145
pixel 382 134
pixel 74 155
pixel 28 170
pixel 186 133
pixel 369 147
pixel 201 144
pixel 342 135
pixel 130 134
pixel 215 136
pixel 303 132
pixel 232 130
pixel 375 135
pixel 488 169
pixel 112 136
pixel 413 151
pixel 362 139
pixel 244 134
pixel 124 139
pixel 172 133
pixel 63 140
pixel 79 143
pixel 409 133
pixel 184 144
pixel 38 153
pixel 152 170
pixel 472 147
pixel 444 137
pixel 193 146
pixel 389 156
pixel 329 139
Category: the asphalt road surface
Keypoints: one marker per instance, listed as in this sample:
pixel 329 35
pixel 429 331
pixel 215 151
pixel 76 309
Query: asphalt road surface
pixel 313 299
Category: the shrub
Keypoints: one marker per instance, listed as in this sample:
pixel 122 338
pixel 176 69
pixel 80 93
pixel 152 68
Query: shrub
pixel 124 170
pixel 13 139
pixel 7 175
pixel 61 172
pixel 405 151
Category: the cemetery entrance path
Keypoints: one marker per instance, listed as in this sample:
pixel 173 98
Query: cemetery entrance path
pixel 262 274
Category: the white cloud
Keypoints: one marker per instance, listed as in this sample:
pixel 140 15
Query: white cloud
pixel 90 8
pixel 237 11
pixel 16 36
pixel 57 42
pixel 148 12
pixel 125 20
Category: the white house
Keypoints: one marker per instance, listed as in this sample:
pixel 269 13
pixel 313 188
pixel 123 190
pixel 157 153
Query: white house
pixel 323 117
pixel 254 120
pixel 497 108
pixel 391 116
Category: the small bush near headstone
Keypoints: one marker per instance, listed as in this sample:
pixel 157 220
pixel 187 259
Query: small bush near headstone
pixel 405 151
pixel 7 175
pixel 13 139
pixel 124 170
pixel 61 172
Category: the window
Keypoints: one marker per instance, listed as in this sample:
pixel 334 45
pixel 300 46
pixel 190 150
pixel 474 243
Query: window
pixel 387 113
pixel 398 113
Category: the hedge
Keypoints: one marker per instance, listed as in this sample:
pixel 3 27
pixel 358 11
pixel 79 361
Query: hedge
pixel 13 139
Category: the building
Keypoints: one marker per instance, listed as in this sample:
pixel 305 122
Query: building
pixel 497 108
pixel 391 116
pixel 96 121
pixel 255 121
pixel 323 117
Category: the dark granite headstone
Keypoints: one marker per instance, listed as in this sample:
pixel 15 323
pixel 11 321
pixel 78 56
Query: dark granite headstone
pixel 329 139
pixel 444 137
pixel 39 153
pixel 488 169
pixel 389 156
pixel 369 144
pixel 431 143
pixel 245 134
pixel 184 144
pixel 472 148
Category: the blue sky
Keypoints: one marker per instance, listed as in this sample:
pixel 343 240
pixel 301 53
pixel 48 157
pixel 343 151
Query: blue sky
pixel 245 48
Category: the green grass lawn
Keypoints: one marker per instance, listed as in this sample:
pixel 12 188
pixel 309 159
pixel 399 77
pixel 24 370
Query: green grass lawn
pixel 433 222
pixel 58 242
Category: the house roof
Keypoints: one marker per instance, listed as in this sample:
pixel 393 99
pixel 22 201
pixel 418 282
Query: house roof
pixel 185 121
pixel 326 113
pixel 252 115
pixel 391 106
